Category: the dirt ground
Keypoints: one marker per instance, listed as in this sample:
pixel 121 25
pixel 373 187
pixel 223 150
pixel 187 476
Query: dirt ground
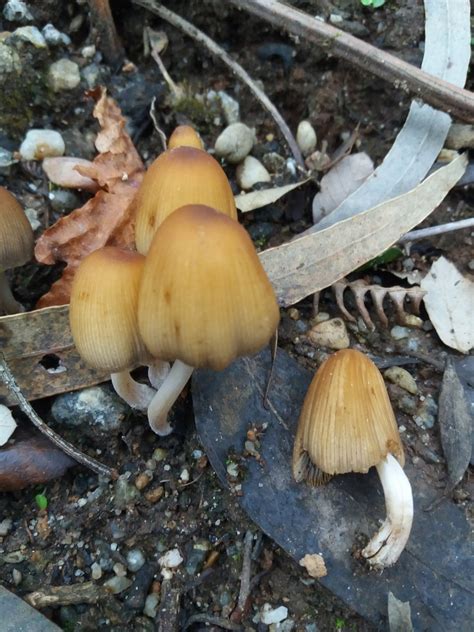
pixel 168 496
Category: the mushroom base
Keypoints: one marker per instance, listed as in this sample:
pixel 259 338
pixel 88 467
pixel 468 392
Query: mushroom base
pixel 166 396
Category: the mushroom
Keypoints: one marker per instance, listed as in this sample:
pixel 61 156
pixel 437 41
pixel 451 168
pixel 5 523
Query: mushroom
pixel 103 319
pixel 185 136
pixel 184 175
pixel 16 246
pixel 204 300
pixel 347 424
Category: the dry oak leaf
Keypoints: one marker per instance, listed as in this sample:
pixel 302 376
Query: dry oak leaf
pixel 105 219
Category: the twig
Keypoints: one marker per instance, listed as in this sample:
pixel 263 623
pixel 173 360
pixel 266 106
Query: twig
pixel 168 614
pixel 225 624
pixel 7 376
pixel 103 22
pixel 158 129
pixel 439 93
pixel 244 592
pixel 432 231
pixel 190 30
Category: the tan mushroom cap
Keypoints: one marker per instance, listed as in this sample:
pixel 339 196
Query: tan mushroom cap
pixel 180 176
pixel 103 309
pixel 205 298
pixel 185 136
pixel 16 234
pixel 347 422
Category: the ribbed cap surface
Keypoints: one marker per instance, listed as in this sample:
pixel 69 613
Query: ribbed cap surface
pixel 180 176
pixel 184 136
pixel 103 309
pixel 16 234
pixel 347 422
pixel 205 298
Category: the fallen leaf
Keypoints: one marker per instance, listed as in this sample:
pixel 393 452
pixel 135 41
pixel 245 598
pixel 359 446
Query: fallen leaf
pixel 7 424
pixel 455 425
pixel 449 301
pixel 399 614
pixel 314 564
pixel 317 260
pixel 246 202
pixel 107 218
pixel 61 170
pixel 338 183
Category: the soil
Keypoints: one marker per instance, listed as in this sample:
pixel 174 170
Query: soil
pixel 167 496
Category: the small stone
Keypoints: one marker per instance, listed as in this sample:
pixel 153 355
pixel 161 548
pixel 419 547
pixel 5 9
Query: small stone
pixel 233 469
pixel 151 605
pixel 91 74
pixel 230 107
pixel 412 320
pixel 116 584
pixel 5 527
pixel 250 172
pixel 96 571
pixel 334 18
pixel 271 615
pixel 64 75
pixel 17 577
pixel 314 564
pixel 10 62
pixel 171 559
pixel 135 560
pixel 398 332
pixel 93 409
pixel 30 34
pixel 293 313
pixel 401 377
pixel 42 143
pixel 32 216
pixel 427 413
pixel 55 37
pixel 470 265
pixel 197 556
pixel 143 479
pixel 63 200
pixel 235 143
pixel 125 493
pixel 306 138
pixel 119 569
pixel 330 333
pixel 159 454
pixel 184 476
pixel 155 494
pixel 16 11
pixel 273 162
pixel 88 52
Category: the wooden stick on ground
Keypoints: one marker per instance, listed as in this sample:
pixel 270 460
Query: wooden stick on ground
pixel 103 22
pixel 7 376
pixel 190 30
pixel 432 90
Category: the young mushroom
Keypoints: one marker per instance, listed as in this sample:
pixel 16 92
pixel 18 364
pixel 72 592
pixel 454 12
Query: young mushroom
pixel 346 425
pixel 16 246
pixel 103 319
pixel 185 136
pixel 204 300
pixel 184 175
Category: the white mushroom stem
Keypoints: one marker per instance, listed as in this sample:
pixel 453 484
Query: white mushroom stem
pixel 166 396
pixel 157 372
pixel 135 394
pixel 8 304
pixel 386 545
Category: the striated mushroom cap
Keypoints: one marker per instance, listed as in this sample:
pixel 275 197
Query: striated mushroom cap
pixel 180 176
pixel 185 136
pixel 16 234
pixel 205 298
pixel 103 309
pixel 347 422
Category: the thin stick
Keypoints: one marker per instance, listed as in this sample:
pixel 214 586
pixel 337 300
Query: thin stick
pixel 7 376
pixel 190 30
pixel 109 41
pixel 439 93
pixel 421 233
pixel 244 592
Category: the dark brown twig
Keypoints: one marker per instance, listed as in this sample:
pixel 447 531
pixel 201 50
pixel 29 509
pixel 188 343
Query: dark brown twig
pixel 103 23
pixel 7 376
pixel 190 30
pixel 244 592
pixel 432 90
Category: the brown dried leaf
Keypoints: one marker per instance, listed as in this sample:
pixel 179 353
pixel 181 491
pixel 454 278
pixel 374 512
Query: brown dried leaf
pixel 107 218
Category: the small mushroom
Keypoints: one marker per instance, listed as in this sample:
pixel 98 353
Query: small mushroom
pixel 346 425
pixel 103 319
pixel 16 246
pixel 184 175
pixel 185 136
pixel 204 300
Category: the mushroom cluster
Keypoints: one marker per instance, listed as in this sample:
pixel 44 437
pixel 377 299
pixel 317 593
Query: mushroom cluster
pixel 194 294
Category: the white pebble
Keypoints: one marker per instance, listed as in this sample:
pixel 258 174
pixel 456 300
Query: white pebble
pixel 55 37
pixel 306 138
pixel 171 559
pixel 31 35
pixel 235 142
pixel 41 143
pixel 64 75
pixel 398 332
pixel 250 172
pixel 96 571
pixel 135 560
pixel 401 377
pixel 120 570
pixel 151 605
pixel 16 11
pixel 271 615
pixel 184 476
pixel 330 333
pixel 117 585
pixel 5 526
